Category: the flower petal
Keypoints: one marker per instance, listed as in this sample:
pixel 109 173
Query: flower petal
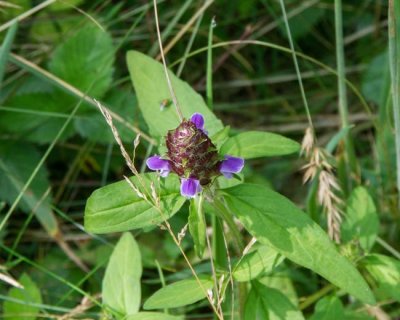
pixel 198 120
pixel 156 163
pixel 190 187
pixel 231 165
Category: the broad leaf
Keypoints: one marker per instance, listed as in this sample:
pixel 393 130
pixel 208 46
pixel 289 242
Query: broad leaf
pixel 17 163
pixel 117 207
pixel 30 294
pixel 281 280
pixel 153 316
pixel 277 222
pixel 257 144
pixel 268 303
pixel 328 308
pixel 376 80
pixel 197 225
pixel 361 221
pixel 121 284
pixel 151 88
pixel 386 274
pixel 262 259
pixel 179 294
pixel 85 60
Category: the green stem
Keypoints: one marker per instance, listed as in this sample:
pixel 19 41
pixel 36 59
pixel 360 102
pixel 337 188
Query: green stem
pixel 316 296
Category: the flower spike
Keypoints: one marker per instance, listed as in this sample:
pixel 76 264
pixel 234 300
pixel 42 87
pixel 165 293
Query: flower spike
pixel 193 157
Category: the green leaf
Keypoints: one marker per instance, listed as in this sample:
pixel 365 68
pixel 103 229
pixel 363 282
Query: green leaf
pixel 153 316
pixel 116 207
pixel 255 308
pixel 17 162
pixel 268 303
pixel 386 273
pixel 151 88
pixel 376 80
pixel 38 117
pixel 178 294
pixel 361 221
pixel 263 259
pixel 281 281
pixel 85 60
pixel 30 294
pixel 256 144
pixel 328 308
pixel 93 126
pixel 277 222
pixel 121 283
pixel 197 225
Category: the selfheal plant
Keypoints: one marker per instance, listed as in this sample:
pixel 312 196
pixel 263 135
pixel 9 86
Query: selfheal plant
pixel 193 157
pixel 242 209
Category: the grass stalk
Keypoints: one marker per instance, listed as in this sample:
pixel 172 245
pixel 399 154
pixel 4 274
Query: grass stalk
pixel 394 63
pixel 171 89
pixel 349 159
pixel 171 25
pixel 296 64
pixel 26 14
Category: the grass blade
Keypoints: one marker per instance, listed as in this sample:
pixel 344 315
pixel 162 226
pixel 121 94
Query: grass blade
pixel 209 65
pixel 5 49
pixel 394 63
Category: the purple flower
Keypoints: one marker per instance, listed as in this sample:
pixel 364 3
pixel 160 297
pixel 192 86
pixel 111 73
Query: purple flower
pixel 190 187
pixel 193 157
pixel 231 165
pixel 198 120
pixel 156 163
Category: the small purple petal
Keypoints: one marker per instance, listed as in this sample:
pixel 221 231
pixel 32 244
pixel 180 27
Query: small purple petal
pixel 190 187
pixel 156 163
pixel 231 165
pixel 198 120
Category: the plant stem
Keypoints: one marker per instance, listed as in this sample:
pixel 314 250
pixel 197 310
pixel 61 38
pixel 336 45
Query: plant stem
pixel 316 296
